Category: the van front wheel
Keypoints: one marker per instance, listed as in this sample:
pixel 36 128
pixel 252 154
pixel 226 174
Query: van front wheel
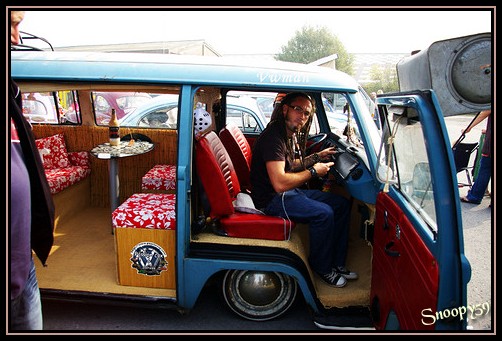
pixel 258 295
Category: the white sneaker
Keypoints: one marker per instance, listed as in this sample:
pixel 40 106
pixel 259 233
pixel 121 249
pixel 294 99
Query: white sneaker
pixel 346 272
pixel 334 279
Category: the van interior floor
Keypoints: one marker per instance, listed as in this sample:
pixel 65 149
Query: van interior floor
pixel 83 258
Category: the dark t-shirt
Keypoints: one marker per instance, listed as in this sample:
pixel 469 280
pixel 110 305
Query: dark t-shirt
pixel 270 146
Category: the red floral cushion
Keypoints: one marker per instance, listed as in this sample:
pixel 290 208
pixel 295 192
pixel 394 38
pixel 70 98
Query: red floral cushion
pixel 160 177
pixel 146 210
pixel 79 158
pixel 60 178
pixel 53 151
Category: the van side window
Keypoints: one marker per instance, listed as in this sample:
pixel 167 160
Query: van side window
pixel 137 109
pixel 410 162
pixel 56 107
pixel 124 103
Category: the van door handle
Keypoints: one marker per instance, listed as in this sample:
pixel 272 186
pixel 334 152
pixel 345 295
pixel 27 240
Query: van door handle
pixel 390 252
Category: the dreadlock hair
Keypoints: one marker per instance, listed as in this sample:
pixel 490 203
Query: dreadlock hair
pixel 278 116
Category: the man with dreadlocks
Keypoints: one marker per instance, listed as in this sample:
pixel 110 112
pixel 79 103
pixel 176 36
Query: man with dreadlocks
pixel 279 168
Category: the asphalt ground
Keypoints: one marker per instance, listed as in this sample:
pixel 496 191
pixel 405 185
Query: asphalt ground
pixel 479 234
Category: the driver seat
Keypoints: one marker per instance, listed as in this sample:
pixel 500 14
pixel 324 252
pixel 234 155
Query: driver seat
pixel 221 186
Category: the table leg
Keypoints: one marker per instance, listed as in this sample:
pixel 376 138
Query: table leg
pixel 114 185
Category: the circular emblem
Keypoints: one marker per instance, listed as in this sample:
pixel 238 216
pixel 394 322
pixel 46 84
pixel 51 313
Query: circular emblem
pixel 148 259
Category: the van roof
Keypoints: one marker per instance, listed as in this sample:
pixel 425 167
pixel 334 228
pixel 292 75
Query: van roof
pixel 174 69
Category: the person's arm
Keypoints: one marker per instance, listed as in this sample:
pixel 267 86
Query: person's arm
pixel 482 115
pixel 314 158
pixel 284 181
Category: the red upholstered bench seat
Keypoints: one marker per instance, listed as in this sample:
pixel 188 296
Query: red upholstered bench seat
pixel 160 177
pixel 148 211
pixel 61 178
pixel 62 168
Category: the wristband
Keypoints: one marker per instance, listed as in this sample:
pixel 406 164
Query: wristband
pixel 313 172
pixel 316 158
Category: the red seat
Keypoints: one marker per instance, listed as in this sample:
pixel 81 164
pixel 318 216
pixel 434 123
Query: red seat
pixel 221 185
pixel 239 150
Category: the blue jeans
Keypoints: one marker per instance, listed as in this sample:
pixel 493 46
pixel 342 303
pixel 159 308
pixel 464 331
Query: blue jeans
pixel 26 309
pixel 327 215
pixel 477 192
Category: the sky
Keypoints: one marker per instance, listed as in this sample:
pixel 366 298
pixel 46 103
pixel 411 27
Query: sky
pixel 258 31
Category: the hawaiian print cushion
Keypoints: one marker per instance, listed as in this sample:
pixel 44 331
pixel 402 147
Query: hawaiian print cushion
pixel 61 178
pixel 160 177
pixel 147 210
pixel 53 151
pixel 79 158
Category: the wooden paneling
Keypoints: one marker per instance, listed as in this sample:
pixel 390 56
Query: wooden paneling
pixel 131 169
pixel 131 239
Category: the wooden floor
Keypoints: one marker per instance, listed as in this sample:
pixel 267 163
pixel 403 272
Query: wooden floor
pixel 83 258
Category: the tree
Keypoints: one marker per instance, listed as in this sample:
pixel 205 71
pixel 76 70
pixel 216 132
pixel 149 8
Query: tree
pixel 310 44
pixel 382 78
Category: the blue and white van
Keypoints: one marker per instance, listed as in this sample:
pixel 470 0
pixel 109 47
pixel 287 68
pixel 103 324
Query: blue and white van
pixel 406 241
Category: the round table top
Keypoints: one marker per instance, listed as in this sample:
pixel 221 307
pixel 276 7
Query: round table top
pixel 125 149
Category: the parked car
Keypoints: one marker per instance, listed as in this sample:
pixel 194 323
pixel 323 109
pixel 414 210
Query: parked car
pixel 265 100
pixel 123 103
pixel 246 114
pixel 162 112
pixel 158 112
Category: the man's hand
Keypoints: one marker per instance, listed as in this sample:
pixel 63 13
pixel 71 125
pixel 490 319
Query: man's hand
pixel 326 154
pixel 322 168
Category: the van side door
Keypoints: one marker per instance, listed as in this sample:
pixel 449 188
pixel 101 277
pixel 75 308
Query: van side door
pixel 420 272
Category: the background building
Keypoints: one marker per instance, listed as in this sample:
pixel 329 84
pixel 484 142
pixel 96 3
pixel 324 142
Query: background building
pixel 362 64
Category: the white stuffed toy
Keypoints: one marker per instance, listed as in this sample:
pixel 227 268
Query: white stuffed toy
pixel 202 119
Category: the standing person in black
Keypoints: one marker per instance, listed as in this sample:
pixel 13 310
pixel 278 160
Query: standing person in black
pixel 31 211
pixel 279 169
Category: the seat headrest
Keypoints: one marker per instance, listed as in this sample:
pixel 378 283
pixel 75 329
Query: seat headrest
pixel 232 132
pixel 240 152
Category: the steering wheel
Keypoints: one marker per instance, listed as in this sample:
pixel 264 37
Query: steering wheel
pixel 314 143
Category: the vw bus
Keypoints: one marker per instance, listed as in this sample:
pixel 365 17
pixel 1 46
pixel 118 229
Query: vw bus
pixel 163 245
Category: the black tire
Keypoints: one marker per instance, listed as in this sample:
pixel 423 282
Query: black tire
pixel 258 295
